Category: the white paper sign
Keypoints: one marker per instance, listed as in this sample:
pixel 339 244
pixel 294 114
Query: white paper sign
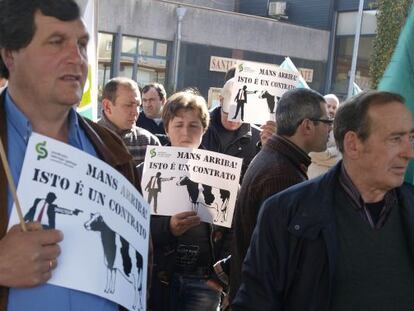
pixel 256 91
pixel 183 179
pixel 89 201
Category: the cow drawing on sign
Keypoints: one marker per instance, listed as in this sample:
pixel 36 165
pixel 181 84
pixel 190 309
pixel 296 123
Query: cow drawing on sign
pixel 200 194
pixel 270 100
pixel 118 256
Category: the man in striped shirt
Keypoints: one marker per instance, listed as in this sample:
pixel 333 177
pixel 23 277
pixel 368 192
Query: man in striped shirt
pixel 120 102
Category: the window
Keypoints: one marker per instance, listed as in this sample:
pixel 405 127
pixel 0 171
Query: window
pixel 146 47
pixel 129 45
pixel 144 60
pixel 343 59
pixel 161 49
pixel 344 44
pixel 105 42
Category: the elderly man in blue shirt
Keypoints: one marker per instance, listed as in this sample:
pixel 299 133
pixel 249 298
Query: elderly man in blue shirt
pixel 43 56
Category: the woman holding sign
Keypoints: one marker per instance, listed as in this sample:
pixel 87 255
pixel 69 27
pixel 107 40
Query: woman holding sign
pixel 185 249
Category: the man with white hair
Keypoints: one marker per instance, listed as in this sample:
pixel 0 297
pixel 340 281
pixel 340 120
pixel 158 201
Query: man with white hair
pixel 237 139
pixel 332 103
pixel 323 161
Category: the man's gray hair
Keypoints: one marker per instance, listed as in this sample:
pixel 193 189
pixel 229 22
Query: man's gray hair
pixel 295 106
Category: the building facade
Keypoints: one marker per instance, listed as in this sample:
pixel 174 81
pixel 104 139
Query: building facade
pixel 191 43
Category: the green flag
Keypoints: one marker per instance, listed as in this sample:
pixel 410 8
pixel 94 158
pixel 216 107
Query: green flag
pixel 289 65
pixel 356 89
pixel 399 75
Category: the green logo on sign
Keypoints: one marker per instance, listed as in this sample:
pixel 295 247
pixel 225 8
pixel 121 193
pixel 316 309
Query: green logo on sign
pixel 241 67
pixel 41 150
pixel 152 153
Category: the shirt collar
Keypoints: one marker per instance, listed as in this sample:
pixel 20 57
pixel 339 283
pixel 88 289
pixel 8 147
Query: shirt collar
pixel 358 202
pixel 289 149
pixel 17 119
pixel 74 129
pixel 350 188
pixel 107 123
pixel 24 128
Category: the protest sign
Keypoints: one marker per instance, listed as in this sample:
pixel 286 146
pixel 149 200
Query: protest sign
pixel 70 190
pixel 256 91
pixel 179 179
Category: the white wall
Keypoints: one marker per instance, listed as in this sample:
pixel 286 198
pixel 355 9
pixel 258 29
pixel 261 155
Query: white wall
pixel 157 19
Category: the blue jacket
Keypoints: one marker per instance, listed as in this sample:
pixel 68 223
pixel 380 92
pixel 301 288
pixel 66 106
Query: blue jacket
pixel 292 257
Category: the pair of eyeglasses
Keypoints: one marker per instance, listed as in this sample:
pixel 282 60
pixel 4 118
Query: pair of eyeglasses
pixel 326 121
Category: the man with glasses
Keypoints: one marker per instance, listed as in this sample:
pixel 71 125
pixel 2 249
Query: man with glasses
pixel 343 241
pixel 303 126
pixel 154 98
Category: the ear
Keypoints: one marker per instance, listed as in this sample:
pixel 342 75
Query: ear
pixel 306 127
pixel 8 58
pixel 107 106
pixel 352 145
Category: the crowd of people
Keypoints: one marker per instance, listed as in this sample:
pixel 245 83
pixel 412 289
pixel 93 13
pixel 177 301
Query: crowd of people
pixel 323 220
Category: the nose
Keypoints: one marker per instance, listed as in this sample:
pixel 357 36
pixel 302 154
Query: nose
pixel 77 54
pixel 186 131
pixel 408 151
pixel 135 111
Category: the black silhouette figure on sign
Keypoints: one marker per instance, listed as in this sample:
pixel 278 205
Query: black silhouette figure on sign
pixel 154 187
pixel 241 100
pixel 44 211
pixel 119 256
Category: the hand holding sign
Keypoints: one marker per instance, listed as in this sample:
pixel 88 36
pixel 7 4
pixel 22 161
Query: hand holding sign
pixel 268 129
pixel 27 256
pixel 181 222
pixel 62 189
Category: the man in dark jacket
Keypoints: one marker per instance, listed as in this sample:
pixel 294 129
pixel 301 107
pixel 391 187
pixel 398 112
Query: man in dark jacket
pixel 343 241
pixel 303 126
pixel 121 99
pixel 154 98
pixel 43 55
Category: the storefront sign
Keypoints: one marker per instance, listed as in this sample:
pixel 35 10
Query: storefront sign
pixel 221 64
pixel 307 74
